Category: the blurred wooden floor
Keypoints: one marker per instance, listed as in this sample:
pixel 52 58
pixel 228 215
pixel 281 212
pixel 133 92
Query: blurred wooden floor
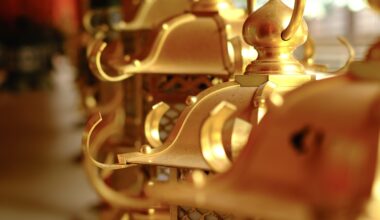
pixel 39 137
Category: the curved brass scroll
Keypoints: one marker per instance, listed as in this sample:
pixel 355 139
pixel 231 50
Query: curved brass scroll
pixel 309 52
pixel 152 123
pixel 117 199
pixel 87 145
pixel 238 58
pixel 95 63
pixel 351 55
pixel 295 21
pixel 211 137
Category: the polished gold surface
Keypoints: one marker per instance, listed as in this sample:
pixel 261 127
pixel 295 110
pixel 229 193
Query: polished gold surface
pixel 117 199
pixel 277 149
pixel 297 178
pixel 152 124
pixel 178 152
pixel 212 131
pixel 275 32
pixel 176 40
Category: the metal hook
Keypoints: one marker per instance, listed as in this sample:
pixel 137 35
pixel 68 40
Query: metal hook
pixel 152 123
pixel 295 21
pixel 106 192
pixel 95 64
pixel 309 52
pixel 104 135
pixel 211 137
pixel 351 55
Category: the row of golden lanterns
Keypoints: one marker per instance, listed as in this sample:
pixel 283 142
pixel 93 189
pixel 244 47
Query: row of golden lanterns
pixel 190 130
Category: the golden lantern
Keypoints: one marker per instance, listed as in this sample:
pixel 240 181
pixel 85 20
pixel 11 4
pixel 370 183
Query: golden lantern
pixel 219 53
pixel 272 74
pixel 305 160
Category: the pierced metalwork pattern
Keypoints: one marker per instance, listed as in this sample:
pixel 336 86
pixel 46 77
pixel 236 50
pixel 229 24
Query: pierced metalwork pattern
pixel 188 213
pixel 175 89
pixel 168 120
pixel 185 213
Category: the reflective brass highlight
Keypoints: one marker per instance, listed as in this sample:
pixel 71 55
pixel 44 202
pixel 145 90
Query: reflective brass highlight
pixel 295 21
pixel 216 30
pixel 96 66
pixel 239 138
pixel 211 137
pixel 152 123
pixel 275 36
pixel 97 118
pixel 117 199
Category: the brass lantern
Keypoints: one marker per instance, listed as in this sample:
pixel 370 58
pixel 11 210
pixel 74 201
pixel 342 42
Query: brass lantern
pixel 272 74
pixel 170 60
pixel 305 160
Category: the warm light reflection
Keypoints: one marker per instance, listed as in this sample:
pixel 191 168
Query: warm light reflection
pixel 137 63
pixel 276 99
pixel 231 51
pixel 249 53
pixel 261 112
pixel 199 178
pixel 223 5
pixel 219 151
pixel 240 134
pixel 165 26
pixel 376 185
pixel 151 211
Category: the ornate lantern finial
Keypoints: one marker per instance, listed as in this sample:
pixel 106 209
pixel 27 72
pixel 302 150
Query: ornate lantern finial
pixel 276 31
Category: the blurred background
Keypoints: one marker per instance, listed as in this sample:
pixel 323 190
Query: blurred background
pixel 41 120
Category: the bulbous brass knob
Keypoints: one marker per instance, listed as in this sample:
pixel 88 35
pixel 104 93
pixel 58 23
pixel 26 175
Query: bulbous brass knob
pixel 264 29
